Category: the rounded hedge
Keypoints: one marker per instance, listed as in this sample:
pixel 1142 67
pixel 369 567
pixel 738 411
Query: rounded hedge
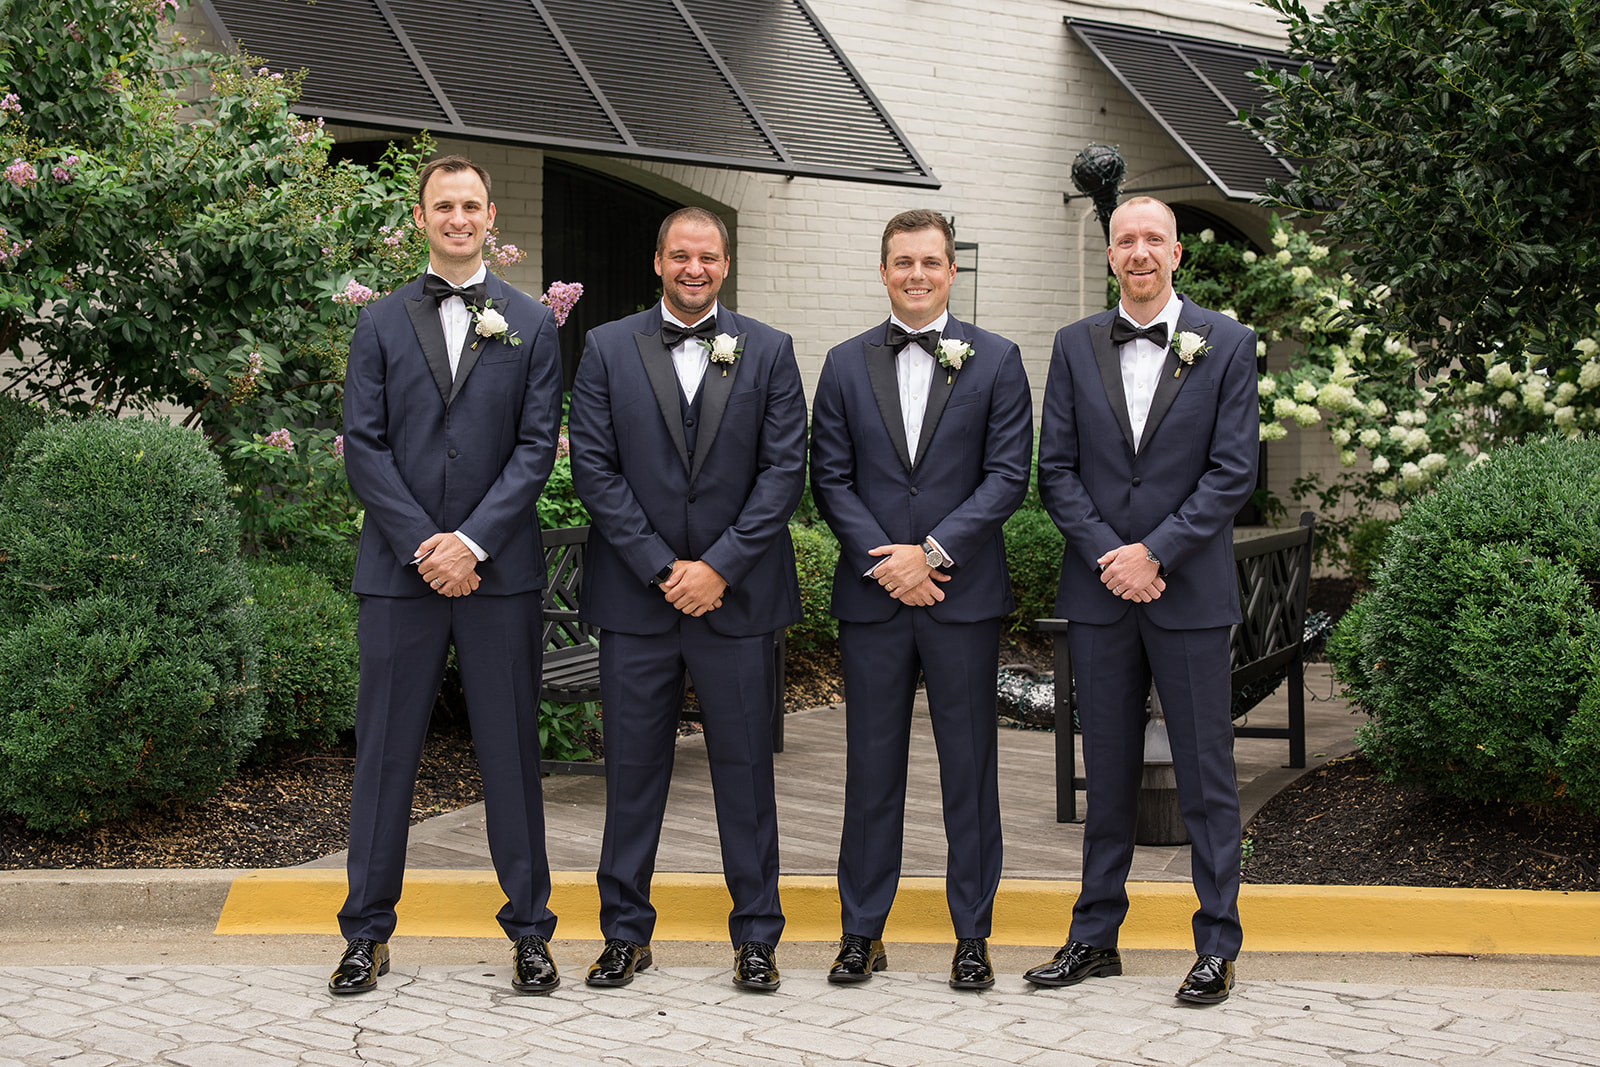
pixel 1476 655
pixel 127 634
pixel 309 658
pixel 816 553
pixel 1033 554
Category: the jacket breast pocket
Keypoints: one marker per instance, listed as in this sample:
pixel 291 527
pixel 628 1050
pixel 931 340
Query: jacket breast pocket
pixel 963 399
pixel 497 354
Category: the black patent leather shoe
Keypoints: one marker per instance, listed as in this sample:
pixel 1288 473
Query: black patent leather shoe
pixel 363 961
pixel 970 967
pixel 858 958
pixel 1075 962
pixel 1209 981
pixel 533 972
pixel 619 961
pixel 754 967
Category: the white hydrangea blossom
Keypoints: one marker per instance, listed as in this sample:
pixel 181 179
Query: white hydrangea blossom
pixel 1507 400
pixel 1417 441
pixel 1318 253
pixel 1249 257
pixel 1341 437
pixel 1391 346
pixel 1347 458
pixel 1302 274
pixel 1565 416
pixel 1337 397
pixel 1359 335
pixel 1565 392
pixel 1380 465
pixel 1412 476
pixel 1283 407
pixel 1370 438
pixel 1389 488
pixel 1266 386
pixel 1433 461
pixel 1284 257
pixel 1232 314
pixel 1377 408
pixel 1306 415
pixel 1273 431
pixel 1589 374
pixel 1473 389
pixel 1207 236
pixel 1280 238
pixel 1261 349
pixel 1501 376
pixel 1587 345
pixel 1533 392
pixel 1305 391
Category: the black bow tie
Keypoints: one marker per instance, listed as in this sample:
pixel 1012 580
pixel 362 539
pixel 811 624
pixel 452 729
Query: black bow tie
pixel 438 290
pixel 1123 331
pixel 899 337
pixel 674 335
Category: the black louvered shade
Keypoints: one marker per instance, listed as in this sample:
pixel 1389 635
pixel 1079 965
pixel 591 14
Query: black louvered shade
pixel 750 84
pixel 1194 88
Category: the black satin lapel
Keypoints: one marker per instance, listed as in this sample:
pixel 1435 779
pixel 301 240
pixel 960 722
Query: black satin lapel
pixel 886 391
pixel 717 385
pixel 939 390
pixel 430 335
pixel 1105 354
pixel 664 381
pixel 1174 372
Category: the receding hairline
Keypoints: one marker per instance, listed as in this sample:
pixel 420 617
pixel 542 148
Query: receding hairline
pixel 698 216
pixel 1141 201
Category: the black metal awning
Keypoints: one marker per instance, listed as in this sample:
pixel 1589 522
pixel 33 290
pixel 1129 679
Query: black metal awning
pixel 1194 88
pixel 747 84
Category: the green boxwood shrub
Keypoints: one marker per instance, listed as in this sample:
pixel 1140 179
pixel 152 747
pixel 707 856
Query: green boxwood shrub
pixel 1033 552
pixel 1476 655
pixel 18 419
pixel 309 659
pixel 1366 547
pixel 128 648
pixel 816 553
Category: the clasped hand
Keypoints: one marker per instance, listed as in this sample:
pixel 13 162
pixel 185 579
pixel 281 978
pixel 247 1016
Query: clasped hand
pixel 450 568
pixel 694 588
pixel 906 576
pixel 1131 574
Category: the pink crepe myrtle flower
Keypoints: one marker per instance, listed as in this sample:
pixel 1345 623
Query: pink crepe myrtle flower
pixel 279 438
pixel 560 298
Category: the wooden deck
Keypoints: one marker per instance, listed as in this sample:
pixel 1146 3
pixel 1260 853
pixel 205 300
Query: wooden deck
pixel 811 801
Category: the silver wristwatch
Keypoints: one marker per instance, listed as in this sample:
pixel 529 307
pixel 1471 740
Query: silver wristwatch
pixel 933 556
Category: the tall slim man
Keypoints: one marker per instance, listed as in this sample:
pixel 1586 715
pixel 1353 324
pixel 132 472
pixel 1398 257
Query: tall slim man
pixel 688 428
pixel 921 442
pixel 452 403
pixel 1147 450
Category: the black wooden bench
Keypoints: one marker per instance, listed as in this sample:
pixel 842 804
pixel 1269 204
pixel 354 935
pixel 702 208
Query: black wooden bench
pixel 571 646
pixel 1274 574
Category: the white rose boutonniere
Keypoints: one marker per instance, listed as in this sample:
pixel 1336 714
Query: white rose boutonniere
pixel 951 354
pixel 1189 346
pixel 490 323
pixel 723 348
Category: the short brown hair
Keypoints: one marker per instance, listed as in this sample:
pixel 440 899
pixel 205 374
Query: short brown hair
pixel 448 164
pixel 692 214
pixel 919 219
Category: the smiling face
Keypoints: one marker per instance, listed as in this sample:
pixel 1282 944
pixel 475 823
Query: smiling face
pixel 1144 252
pixel 692 264
pixel 456 215
pixel 917 272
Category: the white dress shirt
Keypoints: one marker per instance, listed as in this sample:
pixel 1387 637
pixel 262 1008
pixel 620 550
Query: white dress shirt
pixel 1142 360
pixel 456 318
pixel 690 358
pixel 913 372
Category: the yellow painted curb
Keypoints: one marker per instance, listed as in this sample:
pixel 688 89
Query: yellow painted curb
pixel 694 907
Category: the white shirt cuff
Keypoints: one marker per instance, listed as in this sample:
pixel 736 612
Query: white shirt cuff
pixel 948 562
pixel 472 545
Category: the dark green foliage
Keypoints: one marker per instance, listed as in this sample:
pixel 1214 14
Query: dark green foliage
pixel 1477 653
pixel 816 553
pixel 335 561
pixel 562 728
pixel 127 635
pixel 559 505
pixel 1455 144
pixel 309 658
pixel 18 419
pixel 1033 553
pixel 1367 539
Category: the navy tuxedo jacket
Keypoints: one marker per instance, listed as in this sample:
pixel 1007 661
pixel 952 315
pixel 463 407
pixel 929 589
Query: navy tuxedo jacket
pixel 1195 468
pixel 650 504
pixel 427 454
pixel 969 474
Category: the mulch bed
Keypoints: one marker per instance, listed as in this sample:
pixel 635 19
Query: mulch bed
pixel 1337 825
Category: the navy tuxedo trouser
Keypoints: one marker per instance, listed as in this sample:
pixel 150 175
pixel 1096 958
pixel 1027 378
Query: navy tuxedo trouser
pixel 404 643
pixel 1112 669
pixel 641 689
pixel 881 662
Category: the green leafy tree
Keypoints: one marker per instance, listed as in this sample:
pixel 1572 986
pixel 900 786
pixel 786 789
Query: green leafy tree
pixel 1455 144
pixel 171 233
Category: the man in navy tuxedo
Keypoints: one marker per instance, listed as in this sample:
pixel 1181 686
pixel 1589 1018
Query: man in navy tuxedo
pixel 452 405
pixel 921 441
pixel 688 428
pixel 1147 450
